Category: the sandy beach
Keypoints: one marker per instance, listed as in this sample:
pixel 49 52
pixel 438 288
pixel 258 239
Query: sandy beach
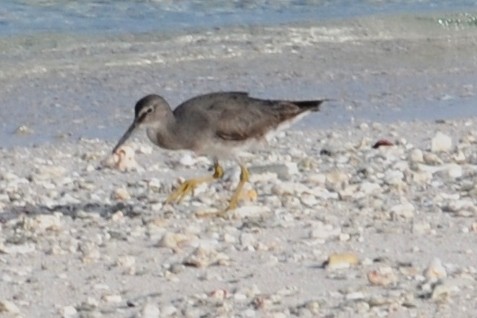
pixel 329 226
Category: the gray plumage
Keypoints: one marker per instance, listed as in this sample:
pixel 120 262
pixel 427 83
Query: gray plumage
pixel 210 121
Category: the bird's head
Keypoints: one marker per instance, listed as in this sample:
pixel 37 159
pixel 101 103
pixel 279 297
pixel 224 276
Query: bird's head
pixel 148 112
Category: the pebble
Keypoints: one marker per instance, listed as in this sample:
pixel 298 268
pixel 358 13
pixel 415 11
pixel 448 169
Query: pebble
pixel 187 160
pixel 23 130
pixel 120 194
pixel 435 270
pixel 127 263
pixel 17 249
pixel 150 310
pixel 432 159
pixel 341 261
pixel 383 276
pixel 112 299
pixel 8 307
pixel 416 155
pixel 442 292
pixel 403 210
pixel 123 160
pixel 336 180
pixel 323 231
pixel 68 312
pixel 204 257
pixel 441 143
pixel 175 241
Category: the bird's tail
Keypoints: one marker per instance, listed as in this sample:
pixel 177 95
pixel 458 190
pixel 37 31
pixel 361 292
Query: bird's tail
pixel 309 105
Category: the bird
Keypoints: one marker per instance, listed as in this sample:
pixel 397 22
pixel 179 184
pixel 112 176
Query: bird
pixel 218 125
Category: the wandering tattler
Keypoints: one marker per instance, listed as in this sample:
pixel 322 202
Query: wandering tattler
pixel 215 124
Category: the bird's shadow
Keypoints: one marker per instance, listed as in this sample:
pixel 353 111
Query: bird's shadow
pixel 72 210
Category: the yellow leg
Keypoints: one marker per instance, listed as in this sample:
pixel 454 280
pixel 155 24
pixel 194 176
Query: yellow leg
pixel 189 186
pixel 244 177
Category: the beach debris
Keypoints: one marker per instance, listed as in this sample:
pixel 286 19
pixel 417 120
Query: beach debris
pixel 23 130
pixel 383 276
pixel 382 143
pixel 123 159
pixel 204 257
pixel 120 194
pixel 435 270
pixel 341 261
pixel 8 307
pixel 441 143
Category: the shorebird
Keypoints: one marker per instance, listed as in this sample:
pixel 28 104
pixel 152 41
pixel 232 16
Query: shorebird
pixel 217 125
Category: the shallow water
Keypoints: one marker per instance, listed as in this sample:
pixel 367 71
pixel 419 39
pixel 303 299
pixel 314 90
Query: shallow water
pixel 63 81
pixel 120 16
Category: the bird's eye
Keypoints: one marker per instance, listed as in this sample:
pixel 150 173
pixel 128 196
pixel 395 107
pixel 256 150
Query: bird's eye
pixel 149 110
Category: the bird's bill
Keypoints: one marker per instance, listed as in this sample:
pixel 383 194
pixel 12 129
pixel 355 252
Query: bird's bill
pixel 126 136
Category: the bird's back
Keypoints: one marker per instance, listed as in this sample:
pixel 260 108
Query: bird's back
pixel 236 115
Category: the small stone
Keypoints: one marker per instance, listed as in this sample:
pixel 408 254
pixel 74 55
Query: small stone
pixel 219 294
pixel 403 210
pixel 248 239
pixel 122 160
pixel 435 271
pixel 150 310
pixel 441 143
pixel 432 159
pixel 308 200
pixel 454 171
pixel 442 292
pixel 8 307
pixel 17 248
pixel 68 312
pixel 289 188
pixel 341 261
pixel 416 156
pixel 282 171
pixel 127 263
pixel 175 241
pixel 323 231
pixel 90 252
pixel 383 276
pixel 47 222
pixel 393 177
pixel 421 228
pixel 45 173
pixel 336 180
pixel 23 130
pixel 120 194
pixel 205 257
pixel 168 311
pixel 462 207
pixel 112 299
pixel 187 160
pixel 251 211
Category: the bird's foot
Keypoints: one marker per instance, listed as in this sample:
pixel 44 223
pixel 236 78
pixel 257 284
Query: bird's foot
pixel 228 212
pixel 184 189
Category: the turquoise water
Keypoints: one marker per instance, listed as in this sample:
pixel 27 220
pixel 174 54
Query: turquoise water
pixel 135 16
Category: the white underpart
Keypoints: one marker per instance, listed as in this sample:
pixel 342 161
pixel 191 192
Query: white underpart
pixel 285 125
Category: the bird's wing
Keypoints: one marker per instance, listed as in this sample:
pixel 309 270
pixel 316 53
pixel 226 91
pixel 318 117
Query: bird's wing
pixel 237 116
pixel 252 118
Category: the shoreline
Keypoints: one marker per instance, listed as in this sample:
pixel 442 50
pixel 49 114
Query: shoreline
pixel 74 89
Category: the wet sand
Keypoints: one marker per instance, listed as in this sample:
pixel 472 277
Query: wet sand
pixel 374 68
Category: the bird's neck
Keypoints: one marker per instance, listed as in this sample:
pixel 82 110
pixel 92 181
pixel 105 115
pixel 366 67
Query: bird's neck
pixel 164 134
